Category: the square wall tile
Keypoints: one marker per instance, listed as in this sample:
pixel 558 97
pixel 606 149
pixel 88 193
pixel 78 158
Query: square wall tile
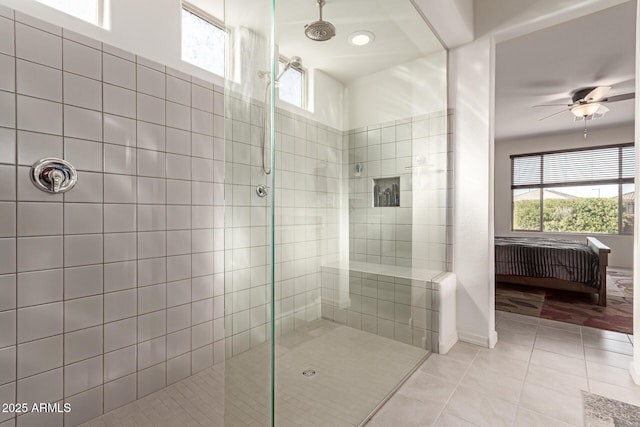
pixel 119 218
pixel 83 155
pixel 82 376
pixel 151 352
pixel 82 60
pixel 118 101
pixel 82 218
pixel 83 313
pixel 120 363
pixel 82 123
pixel 150 82
pixel 150 109
pixel 119 130
pixel 151 136
pixel 119 247
pixel 39 253
pixel 118 71
pixel 152 271
pixel 119 392
pixel 178 368
pixel 33 146
pixel 39 356
pixel 82 344
pixel 40 321
pixel 88 189
pixel 40 287
pixel 151 379
pixel 83 250
pixel 120 275
pixel 45 387
pixel 119 334
pixel 38 46
pixel 119 159
pixel 89 405
pixel 38 81
pixel 83 281
pixel 38 115
pixel 82 92
pixel 120 305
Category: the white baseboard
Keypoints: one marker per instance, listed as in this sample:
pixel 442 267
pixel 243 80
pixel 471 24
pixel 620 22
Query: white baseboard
pixel 493 339
pixel 635 373
pixel 445 346
pixel 471 338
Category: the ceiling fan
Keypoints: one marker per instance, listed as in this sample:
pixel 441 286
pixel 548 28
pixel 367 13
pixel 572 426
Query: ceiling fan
pixel 588 102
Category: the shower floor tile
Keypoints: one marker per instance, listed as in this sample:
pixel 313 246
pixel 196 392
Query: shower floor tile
pixel 354 371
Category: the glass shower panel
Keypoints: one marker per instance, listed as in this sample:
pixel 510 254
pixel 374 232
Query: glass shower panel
pixel 362 208
pixel 247 219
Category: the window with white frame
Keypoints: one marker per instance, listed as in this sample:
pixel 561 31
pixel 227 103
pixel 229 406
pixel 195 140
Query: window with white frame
pixel 574 191
pixel 292 84
pixel 87 10
pixel 203 40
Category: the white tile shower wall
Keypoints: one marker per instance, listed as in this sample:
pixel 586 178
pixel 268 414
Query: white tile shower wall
pixel 110 291
pixel 308 185
pixel 418 232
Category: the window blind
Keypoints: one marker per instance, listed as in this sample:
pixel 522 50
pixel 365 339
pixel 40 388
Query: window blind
pixel 603 164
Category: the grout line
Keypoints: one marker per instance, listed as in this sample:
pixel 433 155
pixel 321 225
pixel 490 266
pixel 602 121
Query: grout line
pixel 15 166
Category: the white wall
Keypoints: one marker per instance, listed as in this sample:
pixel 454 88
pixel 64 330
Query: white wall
pixel 407 90
pixel 471 94
pixel 152 29
pixel 621 246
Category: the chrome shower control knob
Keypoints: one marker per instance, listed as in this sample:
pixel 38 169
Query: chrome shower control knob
pixel 261 191
pixel 53 175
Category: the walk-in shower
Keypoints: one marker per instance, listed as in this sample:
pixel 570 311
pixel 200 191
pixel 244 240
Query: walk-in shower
pixel 168 286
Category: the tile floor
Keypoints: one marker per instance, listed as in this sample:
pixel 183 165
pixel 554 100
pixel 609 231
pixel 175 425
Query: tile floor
pixel 348 385
pixel 533 377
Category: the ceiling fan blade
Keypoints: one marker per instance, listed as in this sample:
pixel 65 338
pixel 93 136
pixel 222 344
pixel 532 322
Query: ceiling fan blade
pixel 620 97
pixel 554 114
pixel 597 93
pixel 552 105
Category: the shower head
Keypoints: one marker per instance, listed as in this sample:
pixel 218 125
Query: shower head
pixel 320 30
pixel 295 62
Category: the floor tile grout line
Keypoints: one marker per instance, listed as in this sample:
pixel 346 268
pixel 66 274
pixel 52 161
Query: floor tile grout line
pixel 466 372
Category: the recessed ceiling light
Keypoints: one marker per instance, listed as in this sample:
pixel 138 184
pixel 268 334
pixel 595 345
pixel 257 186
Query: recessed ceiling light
pixel 361 38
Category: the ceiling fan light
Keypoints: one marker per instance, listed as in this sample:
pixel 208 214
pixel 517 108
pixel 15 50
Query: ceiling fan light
pixel 584 110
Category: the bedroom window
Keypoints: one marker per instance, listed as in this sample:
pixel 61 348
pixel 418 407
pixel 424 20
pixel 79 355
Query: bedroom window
pixel 574 191
pixel 203 40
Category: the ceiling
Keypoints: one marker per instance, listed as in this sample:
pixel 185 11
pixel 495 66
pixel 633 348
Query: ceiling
pixel 546 67
pixel 401 34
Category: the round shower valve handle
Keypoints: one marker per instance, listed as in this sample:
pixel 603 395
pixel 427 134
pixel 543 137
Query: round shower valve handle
pixel 53 175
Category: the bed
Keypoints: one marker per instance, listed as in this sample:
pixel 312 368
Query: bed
pixel 554 263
